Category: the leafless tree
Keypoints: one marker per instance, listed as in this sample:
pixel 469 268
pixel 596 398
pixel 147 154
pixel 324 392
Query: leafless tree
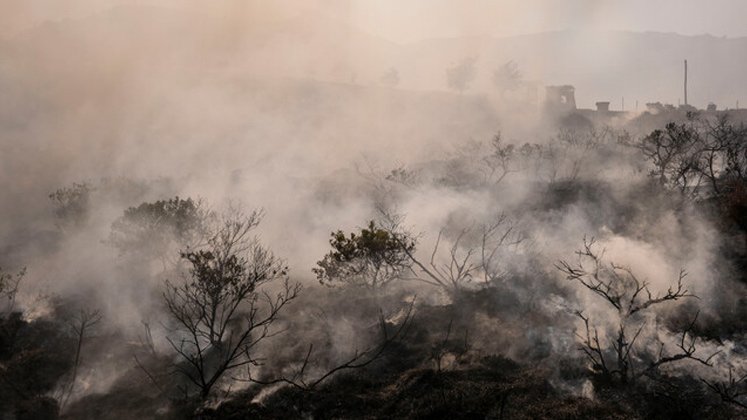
pixel 722 160
pixel 496 236
pixel 732 391
pixel 499 162
pixel 403 175
pixel 152 363
pixel 80 325
pixel 620 288
pixel 472 254
pixel 674 154
pixel 387 184
pixel 457 348
pixel 358 360
pixel 9 287
pixel 221 311
pixel 698 153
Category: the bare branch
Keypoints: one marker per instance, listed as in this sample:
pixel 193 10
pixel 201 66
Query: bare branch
pixel 357 361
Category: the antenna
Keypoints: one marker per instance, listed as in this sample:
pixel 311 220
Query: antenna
pixel 685 82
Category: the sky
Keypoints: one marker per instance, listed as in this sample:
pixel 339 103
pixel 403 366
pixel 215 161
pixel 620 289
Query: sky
pixel 416 19
pixel 413 20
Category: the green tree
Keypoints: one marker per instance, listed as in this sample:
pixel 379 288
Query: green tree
pixel 371 258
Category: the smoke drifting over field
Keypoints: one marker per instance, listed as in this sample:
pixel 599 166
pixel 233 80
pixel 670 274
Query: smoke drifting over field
pixel 325 118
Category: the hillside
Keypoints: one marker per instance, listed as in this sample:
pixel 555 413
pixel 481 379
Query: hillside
pixel 602 65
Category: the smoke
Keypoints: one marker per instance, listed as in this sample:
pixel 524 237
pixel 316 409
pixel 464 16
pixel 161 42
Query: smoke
pixel 280 106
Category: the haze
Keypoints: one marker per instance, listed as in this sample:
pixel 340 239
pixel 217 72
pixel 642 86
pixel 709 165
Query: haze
pixel 416 20
pixel 481 165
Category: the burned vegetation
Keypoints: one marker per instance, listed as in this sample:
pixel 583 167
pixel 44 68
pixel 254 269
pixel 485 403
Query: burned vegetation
pixel 595 275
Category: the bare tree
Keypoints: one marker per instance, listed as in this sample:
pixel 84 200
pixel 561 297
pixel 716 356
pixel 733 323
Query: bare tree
pixel 732 391
pixel 9 286
pixel 699 153
pixel 359 359
pixel 473 254
pixel 620 288
pixel 80 325
pixel 403 175
pixel 722 158
pixel 221 311
pixel 388 184
pixel 496 236
pixel 499 162
pixel 455 272
pixel 455 347
pixel 674 153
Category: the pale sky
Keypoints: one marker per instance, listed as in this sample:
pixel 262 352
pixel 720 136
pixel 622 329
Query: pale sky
pixel 410 20
pixel 413 20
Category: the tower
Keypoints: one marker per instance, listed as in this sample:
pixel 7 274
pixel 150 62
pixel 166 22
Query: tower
pixel 685 82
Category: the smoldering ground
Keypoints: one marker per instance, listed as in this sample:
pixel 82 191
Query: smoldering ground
pixel 291 117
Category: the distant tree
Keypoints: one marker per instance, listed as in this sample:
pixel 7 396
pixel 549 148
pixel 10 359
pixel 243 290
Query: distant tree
pixel 507 78
pixel 630 297
pixel 390 78
pixel 460 76
pixel 221 311
pixel 568 156
pixel 71 204
pixel 371 258
pixel 157 229
pixel 403 175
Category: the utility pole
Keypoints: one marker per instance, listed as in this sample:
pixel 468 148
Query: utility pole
pixel 685 82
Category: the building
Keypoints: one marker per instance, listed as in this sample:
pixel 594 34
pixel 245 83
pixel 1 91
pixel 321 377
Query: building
pixel 560 98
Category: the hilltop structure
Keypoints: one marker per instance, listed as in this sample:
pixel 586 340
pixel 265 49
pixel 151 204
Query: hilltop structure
pixel 560 107
pixel 559 99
